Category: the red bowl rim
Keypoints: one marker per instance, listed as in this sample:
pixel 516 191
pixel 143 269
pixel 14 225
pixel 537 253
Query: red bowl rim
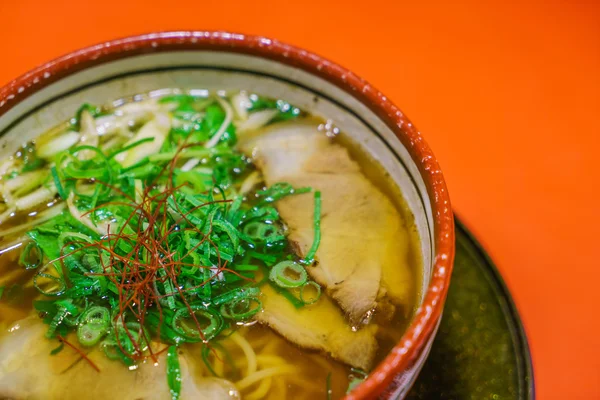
pixel 426 318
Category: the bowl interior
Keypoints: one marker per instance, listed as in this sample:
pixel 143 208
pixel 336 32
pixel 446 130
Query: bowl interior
pixel 227 71
pixel 222 70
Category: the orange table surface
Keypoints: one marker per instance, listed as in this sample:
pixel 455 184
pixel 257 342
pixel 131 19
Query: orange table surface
pixel 507 95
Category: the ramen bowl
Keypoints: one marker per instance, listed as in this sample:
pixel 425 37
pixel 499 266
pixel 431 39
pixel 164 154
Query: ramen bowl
pixel 47 95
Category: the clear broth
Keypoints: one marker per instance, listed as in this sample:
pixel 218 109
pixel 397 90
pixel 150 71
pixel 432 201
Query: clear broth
pixel 316 369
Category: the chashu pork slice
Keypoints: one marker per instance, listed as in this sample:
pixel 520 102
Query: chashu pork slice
pixel 28 371
pixel 362 260
pixel 319 326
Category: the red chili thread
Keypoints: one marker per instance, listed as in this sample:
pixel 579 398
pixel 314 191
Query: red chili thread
pixel 79 351
pixel 135 278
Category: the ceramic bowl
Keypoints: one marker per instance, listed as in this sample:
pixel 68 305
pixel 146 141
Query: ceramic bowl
pixel 216 60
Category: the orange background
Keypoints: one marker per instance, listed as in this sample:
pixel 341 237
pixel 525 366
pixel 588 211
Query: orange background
pixel 507 95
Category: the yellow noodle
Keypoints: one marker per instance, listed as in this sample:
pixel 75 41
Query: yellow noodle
pixel 40 218
pixel 11 276
pixel 260 341
pixel 280 390
pixel 261 391
pixel 18 243
pixel 270 347
pixel 252 180
pixel 248 352
pixel 265 373
pixel 267 359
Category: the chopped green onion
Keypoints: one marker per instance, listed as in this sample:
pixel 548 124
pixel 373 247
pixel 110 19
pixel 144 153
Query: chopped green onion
pixel 280 190
pixel 130 146
pixel 185 325
pixel 358 376
pixel 205 353
pixel 288 274
pixel 235 294
pixel 173 373
pixel 316 297
pixel 72 238
pixel 31 256
pixel 112 350
pixel 59 187
pixel 310 256
pixel 53 291
pixel 93 110
pixel 297 303
pixel 56 321
pixel 90 334
pixel 241 309
pixel 58 349
pixel 96 315
pixel 229 230
pixel 262 232
pixel 128 336
pixel 158 228
pixel 266 258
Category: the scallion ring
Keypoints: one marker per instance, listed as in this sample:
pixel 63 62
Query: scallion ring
pixel 260 231
pixel 31 256
pixel 130 338
pixel 315 298
pixel 241 309
pixel 185 325
pixel 54 291
pixel 288 274
pixel 96 315
pixel 90 334
pixel 94 324
pixel 111 350
pixel 71 238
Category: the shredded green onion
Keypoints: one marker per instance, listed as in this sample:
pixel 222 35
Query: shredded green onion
pixel 310 256
pixel 157 227
pixel 173 373
pixel 280 190
pixel 130 146
pixel 57 183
